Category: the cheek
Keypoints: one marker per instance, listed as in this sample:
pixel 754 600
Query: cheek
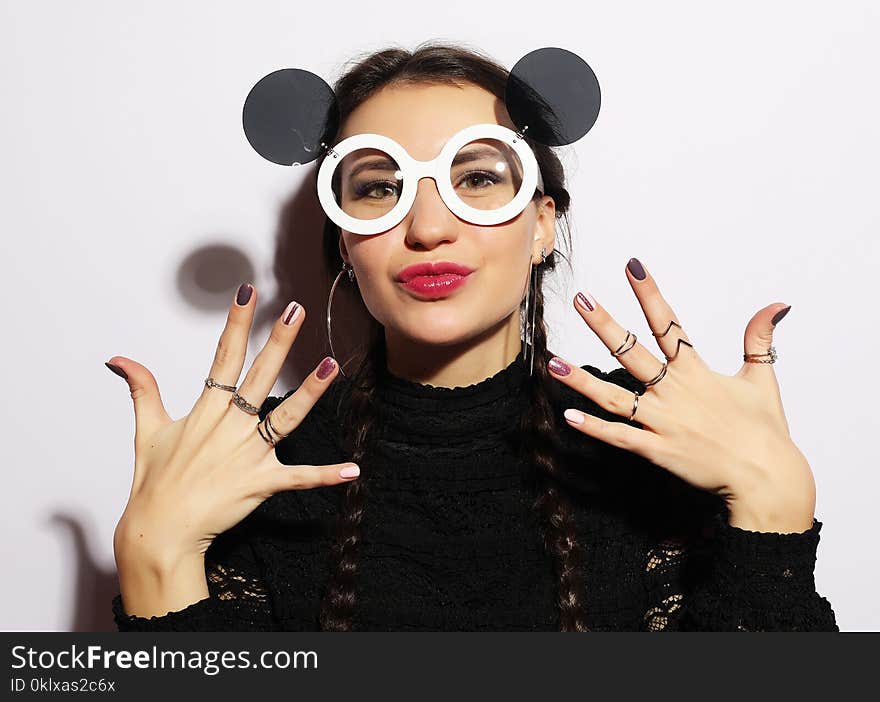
pixel 505 283
pixel 508 248
pixel 506 261
pixel 370 256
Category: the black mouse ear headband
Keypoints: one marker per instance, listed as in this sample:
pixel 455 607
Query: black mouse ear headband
pixel 551 94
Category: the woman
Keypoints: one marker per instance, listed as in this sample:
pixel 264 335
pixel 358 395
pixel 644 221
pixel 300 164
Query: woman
pixel 500 487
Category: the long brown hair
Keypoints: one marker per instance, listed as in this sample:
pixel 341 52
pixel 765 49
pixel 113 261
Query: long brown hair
pixel 439 63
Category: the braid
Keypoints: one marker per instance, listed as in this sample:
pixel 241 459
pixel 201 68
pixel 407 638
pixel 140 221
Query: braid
pixel 338 605
pixel 442 63
pixel 558 528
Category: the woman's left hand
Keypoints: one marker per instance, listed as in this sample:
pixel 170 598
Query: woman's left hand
pixel 724 434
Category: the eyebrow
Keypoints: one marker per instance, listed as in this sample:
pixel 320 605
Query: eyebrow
pixel 386 162
pixel 373 162
pixel 477 154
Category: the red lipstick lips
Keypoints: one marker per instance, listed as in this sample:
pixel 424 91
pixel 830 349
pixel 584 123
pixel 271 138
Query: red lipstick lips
pixel 434 279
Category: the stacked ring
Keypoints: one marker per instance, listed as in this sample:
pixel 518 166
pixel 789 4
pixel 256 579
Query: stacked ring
pixel 265 427
pixel 753 357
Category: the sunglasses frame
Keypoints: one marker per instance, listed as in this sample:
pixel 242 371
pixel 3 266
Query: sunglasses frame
pixel 438 168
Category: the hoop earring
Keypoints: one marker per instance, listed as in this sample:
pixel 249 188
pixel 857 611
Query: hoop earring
pixel 529 335
pixel 345 269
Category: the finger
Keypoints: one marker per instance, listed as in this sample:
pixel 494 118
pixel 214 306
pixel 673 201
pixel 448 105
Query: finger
pixel 290 413
pixel 229 356
pixel 758 339
pixel 149 412
pixel 633 356
pixel 662 320
pixel 267 365
pixel 647 444
pixel 619 434
pixel 609 396
pixel 232 347
pixel 276 476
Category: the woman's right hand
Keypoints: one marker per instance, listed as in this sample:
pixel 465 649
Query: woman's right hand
pixel 196 477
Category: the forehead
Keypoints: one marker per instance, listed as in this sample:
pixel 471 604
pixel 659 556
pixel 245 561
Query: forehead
pixel 421 118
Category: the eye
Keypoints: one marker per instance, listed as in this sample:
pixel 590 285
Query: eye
pixel 478 179
pixel 383 186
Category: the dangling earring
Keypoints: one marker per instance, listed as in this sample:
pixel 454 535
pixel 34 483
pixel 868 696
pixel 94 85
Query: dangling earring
pixel 529 335
pixel 345 269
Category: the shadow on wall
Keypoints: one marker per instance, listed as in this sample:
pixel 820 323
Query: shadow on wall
pixel 207 279
pixel 94 586
pixel 209 276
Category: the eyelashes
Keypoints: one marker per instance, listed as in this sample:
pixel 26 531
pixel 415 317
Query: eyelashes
pixel 363 190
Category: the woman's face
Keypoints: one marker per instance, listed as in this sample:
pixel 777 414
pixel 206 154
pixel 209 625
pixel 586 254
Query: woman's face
pixel 421 118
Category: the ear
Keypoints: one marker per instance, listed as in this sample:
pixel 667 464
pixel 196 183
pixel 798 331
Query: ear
pixel 343 251
pixel 545 225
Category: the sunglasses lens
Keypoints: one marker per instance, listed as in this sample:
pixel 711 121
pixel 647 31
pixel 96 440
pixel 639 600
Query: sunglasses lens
pixel 367 183
pixel 486 174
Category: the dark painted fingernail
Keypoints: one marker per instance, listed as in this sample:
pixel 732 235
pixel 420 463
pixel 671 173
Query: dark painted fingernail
pixel 779 315
pixel 116 369
pixel 326 368
pixel 558 366
pixel 244 294
pixel 635 267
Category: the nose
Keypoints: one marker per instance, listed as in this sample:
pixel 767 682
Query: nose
pixel 430 222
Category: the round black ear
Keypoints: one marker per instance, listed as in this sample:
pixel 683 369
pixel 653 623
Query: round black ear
pixel 555 94
pixel 287 114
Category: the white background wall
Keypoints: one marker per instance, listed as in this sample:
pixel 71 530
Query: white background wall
pixel 736 155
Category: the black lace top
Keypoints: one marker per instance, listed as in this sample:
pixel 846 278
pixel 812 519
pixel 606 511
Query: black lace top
pixel 450 541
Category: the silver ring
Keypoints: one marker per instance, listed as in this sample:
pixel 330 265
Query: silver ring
pixel 271 427
pixel 657 378
pixel 244 405
pixel 265 427
pixel 265 437
pixel 668 327
pixel 620 349
pixel 211 383
pixel 672 323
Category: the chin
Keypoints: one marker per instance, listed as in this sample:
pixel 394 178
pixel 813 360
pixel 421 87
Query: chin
pixel 444 329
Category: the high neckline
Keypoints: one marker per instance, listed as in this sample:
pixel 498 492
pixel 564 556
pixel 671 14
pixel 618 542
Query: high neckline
pixel 426 413
pixel 508 380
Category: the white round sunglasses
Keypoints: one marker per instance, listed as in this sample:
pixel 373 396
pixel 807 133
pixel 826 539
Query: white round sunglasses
pixel 358 166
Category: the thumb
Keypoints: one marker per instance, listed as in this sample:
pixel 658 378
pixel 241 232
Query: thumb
pixel 149 412
pixel 759 338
